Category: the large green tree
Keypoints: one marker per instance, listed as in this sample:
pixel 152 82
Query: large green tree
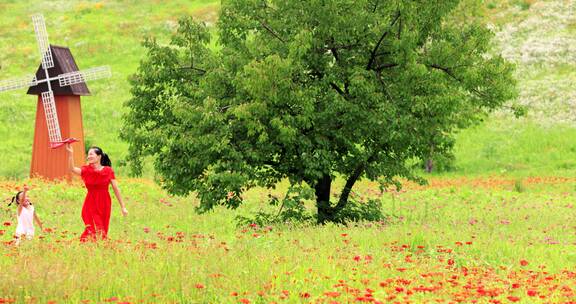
pixel 310 91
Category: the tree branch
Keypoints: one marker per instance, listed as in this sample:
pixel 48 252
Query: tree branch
pixel 373 53
pixel 335 53
pixel 385 66
pixel 194 69
pixel 339 90
pixel 375 6
pixel 348 187
pixel 450 72
pixel 270 30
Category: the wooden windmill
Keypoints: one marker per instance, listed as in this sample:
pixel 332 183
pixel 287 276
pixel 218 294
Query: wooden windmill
pixel 59 85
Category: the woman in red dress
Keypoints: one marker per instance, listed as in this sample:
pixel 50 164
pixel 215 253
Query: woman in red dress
pixel 97 176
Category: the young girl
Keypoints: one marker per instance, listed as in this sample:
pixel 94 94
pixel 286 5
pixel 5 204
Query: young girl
pixel 26 216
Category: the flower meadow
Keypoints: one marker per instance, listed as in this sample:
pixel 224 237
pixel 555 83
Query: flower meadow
pixel 458 240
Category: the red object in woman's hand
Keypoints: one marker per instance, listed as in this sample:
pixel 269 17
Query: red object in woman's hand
pixel 59 144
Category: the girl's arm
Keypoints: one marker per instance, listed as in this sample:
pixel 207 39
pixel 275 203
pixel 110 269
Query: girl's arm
pixel 19 209
pixel 37 220
pixel 24 192
pixel 118 196
pixel 71 166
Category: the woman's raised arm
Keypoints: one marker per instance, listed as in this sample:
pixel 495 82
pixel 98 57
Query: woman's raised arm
pixel 71 166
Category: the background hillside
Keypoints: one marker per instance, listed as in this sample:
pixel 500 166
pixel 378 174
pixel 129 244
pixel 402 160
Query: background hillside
pixel 539 36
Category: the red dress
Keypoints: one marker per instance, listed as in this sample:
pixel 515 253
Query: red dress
pixel 97 205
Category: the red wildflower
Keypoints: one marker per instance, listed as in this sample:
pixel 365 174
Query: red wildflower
pixel 199 286
pixel 244 301
pixel 523 262
pixel 305 295
pixel 532 292
pixel 7 223
pixel 513 298
pixel 332 294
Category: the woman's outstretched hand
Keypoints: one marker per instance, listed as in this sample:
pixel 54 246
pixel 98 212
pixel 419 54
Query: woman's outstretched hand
pixel 69 148
pixel 124 211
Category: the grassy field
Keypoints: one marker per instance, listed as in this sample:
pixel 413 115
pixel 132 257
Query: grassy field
pixel 499 228
pixel 491 239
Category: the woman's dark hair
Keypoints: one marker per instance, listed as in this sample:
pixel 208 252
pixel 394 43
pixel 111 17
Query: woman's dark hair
pixel 105 160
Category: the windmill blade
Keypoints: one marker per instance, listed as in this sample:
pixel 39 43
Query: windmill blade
pixel 51 117
pixel 85 75
pixel 42 37
pixel 18 83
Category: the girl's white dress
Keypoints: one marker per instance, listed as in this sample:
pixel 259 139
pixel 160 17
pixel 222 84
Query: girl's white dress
pixel 26 222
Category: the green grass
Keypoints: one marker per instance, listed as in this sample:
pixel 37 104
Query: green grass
pixel 516 148
pixel 483 225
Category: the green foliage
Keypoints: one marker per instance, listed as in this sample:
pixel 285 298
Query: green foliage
pixel 519 186
pixel 440 163
pixel 523 4
pixel 357 211
pixel 350 88
pixel 292 209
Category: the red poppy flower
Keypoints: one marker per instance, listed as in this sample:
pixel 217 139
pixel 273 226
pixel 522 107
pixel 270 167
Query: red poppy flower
pixel 332 294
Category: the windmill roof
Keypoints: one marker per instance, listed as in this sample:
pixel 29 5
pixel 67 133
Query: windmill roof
pixel 63 63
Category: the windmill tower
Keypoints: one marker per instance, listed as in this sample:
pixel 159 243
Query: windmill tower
pixel 59 85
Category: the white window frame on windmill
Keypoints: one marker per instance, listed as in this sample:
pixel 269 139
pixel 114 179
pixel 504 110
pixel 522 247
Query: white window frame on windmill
pixel 67 79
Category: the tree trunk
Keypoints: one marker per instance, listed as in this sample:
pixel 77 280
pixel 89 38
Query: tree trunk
pixel 429 165
pixel 348 188
pixel 327 213
pixel 322 189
